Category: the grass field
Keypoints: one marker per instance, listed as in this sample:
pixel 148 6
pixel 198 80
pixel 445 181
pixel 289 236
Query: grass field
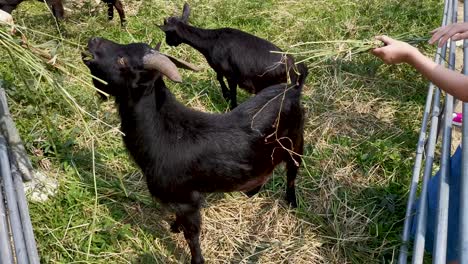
pixel 362 123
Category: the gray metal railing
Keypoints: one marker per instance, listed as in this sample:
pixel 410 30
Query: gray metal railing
pixel 440 240
pixel 427 144
pixel 17 243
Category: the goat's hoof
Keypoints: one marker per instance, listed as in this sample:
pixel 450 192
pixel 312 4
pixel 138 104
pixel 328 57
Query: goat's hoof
pixel 292 201
pixel 250 194
pixel 293 204
pixel 197 260
pixel 253 191
pixel 227 95
pixel 175 227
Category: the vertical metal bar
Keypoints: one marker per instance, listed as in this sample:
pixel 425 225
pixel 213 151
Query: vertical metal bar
pixel 6 255
pixel 463 226
pixel 420 236
pixel 403 256
pixel 20 248
pixel 441 224
pixel 12 136
pixel 24 215
pixel 12 205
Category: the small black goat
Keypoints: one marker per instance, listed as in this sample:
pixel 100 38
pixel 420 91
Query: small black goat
pixel 245 60
pixel 184 153
pixel 55 5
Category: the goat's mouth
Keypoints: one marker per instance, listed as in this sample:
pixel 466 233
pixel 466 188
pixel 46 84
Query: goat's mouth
pixel 86 56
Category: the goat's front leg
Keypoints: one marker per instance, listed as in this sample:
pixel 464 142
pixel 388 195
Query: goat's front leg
pixel 110 10
pixel 224 88
pixel 119 6
pixel 176 226
pixel 233 92
pixel 191 225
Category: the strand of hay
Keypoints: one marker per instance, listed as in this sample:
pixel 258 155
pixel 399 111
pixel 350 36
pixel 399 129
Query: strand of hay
pixel 320 51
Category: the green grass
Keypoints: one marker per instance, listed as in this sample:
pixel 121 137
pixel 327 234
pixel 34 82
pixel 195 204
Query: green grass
pixel 363 119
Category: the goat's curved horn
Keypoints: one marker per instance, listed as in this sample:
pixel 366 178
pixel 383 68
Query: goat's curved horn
pixel 182 64
pixel 156 61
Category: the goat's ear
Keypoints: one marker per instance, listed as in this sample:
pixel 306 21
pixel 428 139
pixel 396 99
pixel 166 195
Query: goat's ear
pixel 183 64
pixel 158 46
pixel 186 13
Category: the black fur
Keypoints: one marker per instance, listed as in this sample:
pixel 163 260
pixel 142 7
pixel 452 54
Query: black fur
pixel 244 59
pixel 184 153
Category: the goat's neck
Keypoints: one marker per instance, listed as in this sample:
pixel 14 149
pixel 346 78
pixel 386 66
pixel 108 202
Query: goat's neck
pixel 153 102
pixel 149 123
pixel 200 39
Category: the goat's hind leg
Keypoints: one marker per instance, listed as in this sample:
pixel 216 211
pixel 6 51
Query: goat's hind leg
pixel 224 88
pixel 233 92
pixel 292 166
pixel 119 6
pixel 291 183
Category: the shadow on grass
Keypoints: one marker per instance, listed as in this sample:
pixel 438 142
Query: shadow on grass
pixel 129 204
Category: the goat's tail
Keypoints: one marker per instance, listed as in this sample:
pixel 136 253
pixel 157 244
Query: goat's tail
pixel 301 73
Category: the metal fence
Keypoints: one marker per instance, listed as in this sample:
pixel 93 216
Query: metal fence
pixel 17 244
pixel 424 160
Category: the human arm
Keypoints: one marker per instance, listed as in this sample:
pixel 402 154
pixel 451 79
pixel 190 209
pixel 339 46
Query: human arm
pixel 395 52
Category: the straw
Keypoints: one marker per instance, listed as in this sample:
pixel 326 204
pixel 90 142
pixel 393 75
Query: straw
pixel 319 51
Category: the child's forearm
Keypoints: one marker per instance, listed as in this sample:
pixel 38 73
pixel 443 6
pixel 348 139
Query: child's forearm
pixel 450 81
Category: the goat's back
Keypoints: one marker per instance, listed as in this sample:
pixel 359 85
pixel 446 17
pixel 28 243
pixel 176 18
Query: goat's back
pixel 251 60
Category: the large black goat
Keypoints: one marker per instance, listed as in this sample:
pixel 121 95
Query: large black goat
pixel 245 60
pixel 55 5
pixel 184 153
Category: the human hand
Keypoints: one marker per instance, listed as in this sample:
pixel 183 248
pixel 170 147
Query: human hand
pixel 455 31
pixel 394 51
